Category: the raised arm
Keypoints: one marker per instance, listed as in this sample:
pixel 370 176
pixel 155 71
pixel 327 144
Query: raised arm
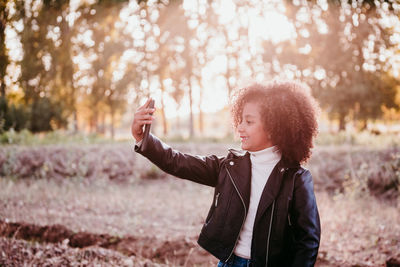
pixel 199 169
pixel 203 170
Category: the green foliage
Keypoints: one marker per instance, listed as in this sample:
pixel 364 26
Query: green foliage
pixel 12 116
pixel 25 137
pixel 46 115
pixel 13 137
pixel 62 137
pixel 42 115
pixel 357 82
pixel 164 46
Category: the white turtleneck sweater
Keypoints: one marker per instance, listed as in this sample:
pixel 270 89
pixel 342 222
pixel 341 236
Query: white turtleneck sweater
pixel 262 163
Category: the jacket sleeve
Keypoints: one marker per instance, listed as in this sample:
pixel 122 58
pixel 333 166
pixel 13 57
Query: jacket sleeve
pixel 306 223
pixel 200 169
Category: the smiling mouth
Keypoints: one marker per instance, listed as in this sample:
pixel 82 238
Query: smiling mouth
pixel 243 138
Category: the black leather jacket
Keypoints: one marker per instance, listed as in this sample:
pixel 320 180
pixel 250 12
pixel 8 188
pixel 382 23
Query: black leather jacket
pixel 286 229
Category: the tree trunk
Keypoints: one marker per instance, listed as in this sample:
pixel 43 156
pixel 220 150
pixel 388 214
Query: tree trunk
pixel 189 75
pixel 101 127
pixel 75 122
pixel 342 122
pixel 201 125
pixel 228 55
pixel 93 126
pixel 3 50
pixel 178 122
pixel 228 75
pixel 164 119
pixel 363 124
pixel 112 123
pixel 191 108
pixel 3 88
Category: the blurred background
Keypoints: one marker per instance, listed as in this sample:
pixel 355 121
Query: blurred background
pixel 72 73
pixel 85 66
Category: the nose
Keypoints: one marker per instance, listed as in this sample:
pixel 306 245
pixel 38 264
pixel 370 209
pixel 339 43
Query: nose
pixel 240 127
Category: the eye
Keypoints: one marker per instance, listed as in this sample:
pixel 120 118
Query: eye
pixel 249 122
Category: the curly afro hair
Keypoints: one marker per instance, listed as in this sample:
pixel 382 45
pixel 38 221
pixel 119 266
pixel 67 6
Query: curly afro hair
pixel 289 115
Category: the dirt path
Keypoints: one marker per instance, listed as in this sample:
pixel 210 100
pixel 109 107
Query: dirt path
pixel 175 252
pixel 149 251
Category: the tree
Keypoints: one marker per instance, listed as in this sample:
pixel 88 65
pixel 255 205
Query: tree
pixel 158 61
pixel 34 80
pixel 3 50
pixel 61 72
pixel 104 94
pixel 346 43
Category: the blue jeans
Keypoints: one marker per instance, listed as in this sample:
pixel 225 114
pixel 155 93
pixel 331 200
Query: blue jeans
pixel 235 261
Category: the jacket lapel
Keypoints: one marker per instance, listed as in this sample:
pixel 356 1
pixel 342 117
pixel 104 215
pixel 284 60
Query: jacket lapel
pixel 239 168
pixel 271 190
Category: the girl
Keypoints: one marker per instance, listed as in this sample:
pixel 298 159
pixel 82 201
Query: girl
pixel 264 211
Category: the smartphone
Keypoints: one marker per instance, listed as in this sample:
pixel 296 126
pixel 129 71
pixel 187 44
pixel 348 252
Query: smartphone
pixel 147 126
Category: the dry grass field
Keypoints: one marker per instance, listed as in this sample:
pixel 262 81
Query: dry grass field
pixel 142 217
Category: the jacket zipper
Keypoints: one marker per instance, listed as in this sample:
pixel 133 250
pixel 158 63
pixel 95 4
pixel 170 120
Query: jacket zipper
pixel 269 233
pixel 216 199
pixel 245 213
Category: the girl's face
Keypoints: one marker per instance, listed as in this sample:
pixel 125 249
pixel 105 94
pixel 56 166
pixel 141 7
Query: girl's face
pixel 252 134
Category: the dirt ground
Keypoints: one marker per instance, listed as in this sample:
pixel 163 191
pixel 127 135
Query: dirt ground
pixel 138 221
pixel 150 222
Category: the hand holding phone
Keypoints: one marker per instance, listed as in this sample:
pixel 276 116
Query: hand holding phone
pixel 142 117
pixel 147 126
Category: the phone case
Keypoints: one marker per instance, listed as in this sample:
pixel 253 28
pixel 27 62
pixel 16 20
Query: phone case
pixel 147 126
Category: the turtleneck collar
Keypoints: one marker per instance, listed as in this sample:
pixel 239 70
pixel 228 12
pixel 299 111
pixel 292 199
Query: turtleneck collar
pixel 269 155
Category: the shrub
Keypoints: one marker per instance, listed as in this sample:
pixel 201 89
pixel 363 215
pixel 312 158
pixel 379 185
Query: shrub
pixel 25 137
pixel 14 137
pixel 357 171
pixel 12 116
pixel 60 162
pixel 44 113
pixel 364 138
pixel 386 179
pixel 152 173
